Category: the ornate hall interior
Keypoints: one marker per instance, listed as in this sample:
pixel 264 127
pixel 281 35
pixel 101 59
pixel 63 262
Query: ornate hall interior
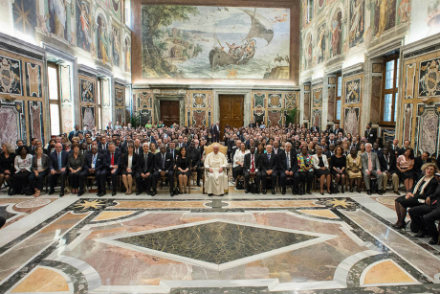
pixel 289 70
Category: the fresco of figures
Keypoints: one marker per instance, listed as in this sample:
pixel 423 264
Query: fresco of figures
pixel 200 42
pixel 94 26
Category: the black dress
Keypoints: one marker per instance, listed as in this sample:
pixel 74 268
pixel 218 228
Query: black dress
pixel 183 163
pixel 340 162
pixel 319 172
pixel 7 163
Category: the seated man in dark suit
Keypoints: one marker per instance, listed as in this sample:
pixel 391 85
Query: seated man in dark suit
pixel 112 158
pixel 388 167
pixel 251 169
pixel 93 166
pixel 164 166
pixel 58 163
pixel 288 166
pixel 145 172
pixel 268 166
pixel 195 155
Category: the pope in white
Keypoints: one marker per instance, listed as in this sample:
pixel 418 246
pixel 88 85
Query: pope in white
pixel 216 164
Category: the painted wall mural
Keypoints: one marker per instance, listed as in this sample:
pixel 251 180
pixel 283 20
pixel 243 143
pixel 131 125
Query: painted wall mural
pixel 356 22
pixel 10 76
pixel 116 45
pixel 384 12
pixel 25 16
pixel 58 18
pixel 317 98
pixel 207 42
pixel 336 34
pixel 84 24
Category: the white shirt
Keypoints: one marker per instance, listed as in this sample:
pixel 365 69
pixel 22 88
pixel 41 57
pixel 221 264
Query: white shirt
pixel 130 161
pixel 238 157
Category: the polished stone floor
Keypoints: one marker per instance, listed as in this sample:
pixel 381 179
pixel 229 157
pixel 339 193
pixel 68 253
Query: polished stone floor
pixel 239 243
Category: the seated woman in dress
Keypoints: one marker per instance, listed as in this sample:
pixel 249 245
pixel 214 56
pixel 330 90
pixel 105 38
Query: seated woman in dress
pixel 337 167
pixel 405 166
pixel 183 165
pixel 304 174
pixel 425 188
pixel 238 161
pixel 40 169
pixel 128 166
pixel 75 164
pixel 320 164
pixel 354 169
pixel 7 165
pixel 23 166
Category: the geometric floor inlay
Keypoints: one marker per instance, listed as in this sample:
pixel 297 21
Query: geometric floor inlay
pixel 217 242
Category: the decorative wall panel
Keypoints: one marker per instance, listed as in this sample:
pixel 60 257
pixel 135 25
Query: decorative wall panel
pixel 352 119
pixel 407 121
pixel 10 76
pixel 33 80
pixel 429 80
pixel 353 91
pixel 410 79
pixel 88 115
pixel 428 129
pixel 36 122
pixel 13 122
pixel 317 98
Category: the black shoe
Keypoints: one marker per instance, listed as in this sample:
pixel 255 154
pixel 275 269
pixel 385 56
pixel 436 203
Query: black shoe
pixel 264 191
pixel 10 191
pixel 397 193
pixel 100 194
pixel 283 191
pixel 420 234
pixel 51 192
pixel 80 193
pixel 351 189
pixel 113 193
pixel 381 192
pixel 273 191
pixel 308 192
pixel 210 195
pixel 246 191
pixel 171 193
pixel 433 241
pixel 369 192
pixel 138 193
pixel 342 189
pixel 153 193
pixel 61 194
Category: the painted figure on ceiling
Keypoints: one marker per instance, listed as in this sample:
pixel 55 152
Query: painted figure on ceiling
pixel 84 32
pixel 58 17
pixel 103 43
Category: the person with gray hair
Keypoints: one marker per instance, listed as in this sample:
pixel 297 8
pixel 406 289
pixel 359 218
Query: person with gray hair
pixel 371 167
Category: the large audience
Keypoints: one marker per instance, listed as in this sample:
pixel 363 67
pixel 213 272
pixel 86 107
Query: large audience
pixel 261 159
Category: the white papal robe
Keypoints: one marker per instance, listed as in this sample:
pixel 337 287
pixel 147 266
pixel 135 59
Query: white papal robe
pixel 216 183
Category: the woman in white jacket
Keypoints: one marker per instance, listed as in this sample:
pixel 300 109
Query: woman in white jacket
pixel 321 167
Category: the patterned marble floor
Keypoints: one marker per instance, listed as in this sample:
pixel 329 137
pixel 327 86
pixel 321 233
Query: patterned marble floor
pixel 239 243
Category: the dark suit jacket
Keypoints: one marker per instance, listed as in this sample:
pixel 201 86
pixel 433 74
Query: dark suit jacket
pixel 169 162
pixel 266 164
pixel 176 152
pixel 195 155
pixel 101 147
pixel 247 162
pixel 101 163
pixel 389 166
pixel 418 163
pixel 123 162
pixel 371 135
pixel 108 158
pixel 54 160
pixel 429 190
pixel 149 168
pixel 283 161
pixel 45 161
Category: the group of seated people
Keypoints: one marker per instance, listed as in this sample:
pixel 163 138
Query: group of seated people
pixel 262 159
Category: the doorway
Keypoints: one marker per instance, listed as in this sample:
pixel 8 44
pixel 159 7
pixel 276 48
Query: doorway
pixel 231 111
pixel 169 112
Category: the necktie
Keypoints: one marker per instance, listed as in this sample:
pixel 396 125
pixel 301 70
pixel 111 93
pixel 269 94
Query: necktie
pixel 252 164
pixel 288 160
pixel 59 161
pixel 370 163
pixel 113 159
pixel 94 160
pixel 163 161
pixel 268 156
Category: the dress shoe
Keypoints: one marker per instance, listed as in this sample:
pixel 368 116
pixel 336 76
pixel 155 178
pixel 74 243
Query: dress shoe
pixel 210 195
pixel 369 192
pixel 80 193
pixel 433 241
pixel 61 194
pixel 246 191
pixel 10 191
pixel 113 193
pixel 138 193
pixel 399 226
pixel 397 193
pixel 283 191
pixel 51 192
pixel 264 191
pixel 100 194
pixel 273 191
pixel 308 192
pixel 420 234
pixel 381 192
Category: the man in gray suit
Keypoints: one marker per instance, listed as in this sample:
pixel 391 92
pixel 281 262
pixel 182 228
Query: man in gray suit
pixel 371 167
